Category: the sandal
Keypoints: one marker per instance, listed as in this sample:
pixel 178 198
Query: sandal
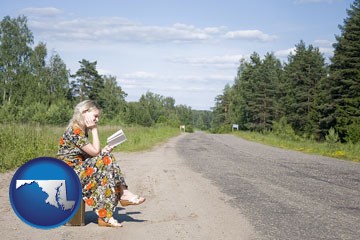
pixel 112 223
pixel 136 200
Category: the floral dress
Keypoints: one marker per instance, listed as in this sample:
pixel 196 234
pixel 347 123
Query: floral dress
pixel 100 176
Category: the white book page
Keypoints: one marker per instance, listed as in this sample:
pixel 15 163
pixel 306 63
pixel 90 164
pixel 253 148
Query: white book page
pixel 116 139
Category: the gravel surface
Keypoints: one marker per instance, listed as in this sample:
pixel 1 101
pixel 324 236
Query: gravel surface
pixel 284 194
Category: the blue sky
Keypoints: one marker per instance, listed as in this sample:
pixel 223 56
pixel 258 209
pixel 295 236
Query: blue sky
pixel 185 49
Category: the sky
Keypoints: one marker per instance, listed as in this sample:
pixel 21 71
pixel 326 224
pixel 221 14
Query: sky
pixel 184 49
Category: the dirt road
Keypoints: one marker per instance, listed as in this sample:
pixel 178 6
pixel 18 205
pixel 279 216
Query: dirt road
pixel 181 204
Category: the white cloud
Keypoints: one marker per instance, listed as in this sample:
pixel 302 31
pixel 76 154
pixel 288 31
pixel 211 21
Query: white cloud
pixel 119 29
pixel 250 35
pixel 41 12
pixel 197 91
pixel 104 71
pixel 325 47
pixel 327 51
pixel 285 52
pixel 322 42
pixel 146 80
pixel 139 75
pixel 223 61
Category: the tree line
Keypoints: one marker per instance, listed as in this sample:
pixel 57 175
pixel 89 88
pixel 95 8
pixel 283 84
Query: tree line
pixel 40 89
pixel 305 93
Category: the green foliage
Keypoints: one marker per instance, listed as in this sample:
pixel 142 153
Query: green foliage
pixel 15 50
pixel 184 114
pixel 303 73
pixel 22 142
pixel 137 114
pixel 283 129
pixel 225 128
pixel 221 110
pixel 8 112
pixel 58 113
pixel 332 137
pixel 313 97
pixel 340 106
pixel 87 82
pixel 202 119
pixel 253 100
pixel 337 150
pixel 353 132
pixel 189 129
pixel 112 99
pixel 34 90
pixel 34 113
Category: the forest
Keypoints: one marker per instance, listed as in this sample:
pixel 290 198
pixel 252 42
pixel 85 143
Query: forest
pixel 37 88
pixel 307 95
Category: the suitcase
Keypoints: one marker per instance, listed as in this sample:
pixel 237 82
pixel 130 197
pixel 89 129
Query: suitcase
pixel 79 217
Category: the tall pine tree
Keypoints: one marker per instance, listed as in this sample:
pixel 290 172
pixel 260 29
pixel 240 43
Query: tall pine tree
pixel 88 83
pixel 255 95
pixel 341 107
pixel 303 73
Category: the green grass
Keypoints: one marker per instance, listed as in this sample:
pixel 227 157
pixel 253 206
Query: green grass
pixel 337 150
pixel 139 138
pixel 20 143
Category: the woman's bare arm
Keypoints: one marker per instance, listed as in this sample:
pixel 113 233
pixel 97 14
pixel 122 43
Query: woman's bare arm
pixel 93 149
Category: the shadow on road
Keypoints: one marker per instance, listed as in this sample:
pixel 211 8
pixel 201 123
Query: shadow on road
pixel 91 217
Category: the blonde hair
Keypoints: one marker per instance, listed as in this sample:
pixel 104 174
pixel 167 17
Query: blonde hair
pixel 77 118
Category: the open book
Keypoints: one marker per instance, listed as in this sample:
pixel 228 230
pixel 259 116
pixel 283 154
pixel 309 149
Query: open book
pixel 116 139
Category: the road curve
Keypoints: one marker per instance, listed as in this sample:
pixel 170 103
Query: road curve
pixel 284 194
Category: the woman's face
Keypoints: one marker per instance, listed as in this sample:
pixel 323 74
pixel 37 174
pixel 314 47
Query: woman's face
pixel 94 114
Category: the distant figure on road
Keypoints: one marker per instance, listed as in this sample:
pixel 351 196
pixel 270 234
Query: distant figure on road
pixel 101 178
pixel 182 128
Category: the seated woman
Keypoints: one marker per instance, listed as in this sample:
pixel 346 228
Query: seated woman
pixel 101 178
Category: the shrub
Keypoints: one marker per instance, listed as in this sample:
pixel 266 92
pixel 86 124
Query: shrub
pixel 189 129
pixel 7 113
pixel 353 133
pixel 283 129
pixel 332 136
pixel 58 114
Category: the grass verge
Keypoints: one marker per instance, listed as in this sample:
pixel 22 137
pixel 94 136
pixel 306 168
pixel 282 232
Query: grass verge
pixel 337 150
pixel 20 143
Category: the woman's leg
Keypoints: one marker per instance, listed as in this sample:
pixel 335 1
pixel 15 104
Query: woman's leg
pixel 99 186
pixel 125 196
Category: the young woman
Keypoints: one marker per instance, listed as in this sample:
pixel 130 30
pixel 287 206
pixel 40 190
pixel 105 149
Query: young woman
pixel 101 178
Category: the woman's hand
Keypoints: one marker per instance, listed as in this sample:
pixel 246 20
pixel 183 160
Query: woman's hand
pixel 107 149
pixel 90 120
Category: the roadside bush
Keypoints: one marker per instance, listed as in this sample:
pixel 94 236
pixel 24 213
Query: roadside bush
pixel 7 113
pixel 225 128
pixel 33 113
pixel 283 129
pixel 332 137
pixel 58 114
pixel 189 129
pixel 22 142
pixel 353 133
